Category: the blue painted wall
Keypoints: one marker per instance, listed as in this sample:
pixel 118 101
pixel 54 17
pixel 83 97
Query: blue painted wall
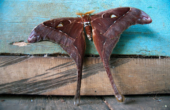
pixel 19 17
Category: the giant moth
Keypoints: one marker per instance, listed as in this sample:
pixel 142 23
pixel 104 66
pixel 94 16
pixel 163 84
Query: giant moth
pixel 103 28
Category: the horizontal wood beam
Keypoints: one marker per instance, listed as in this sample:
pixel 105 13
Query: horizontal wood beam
pixel 57 76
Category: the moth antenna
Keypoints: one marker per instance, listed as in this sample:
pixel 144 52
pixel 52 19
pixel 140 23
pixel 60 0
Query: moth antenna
pixel 89 12
pixel 80 14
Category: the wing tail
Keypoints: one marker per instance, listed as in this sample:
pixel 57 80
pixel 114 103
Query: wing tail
pixel 107 50
pixel 104 47
pixel 117 93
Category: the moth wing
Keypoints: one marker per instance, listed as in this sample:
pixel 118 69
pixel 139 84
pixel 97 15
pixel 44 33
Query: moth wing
pixel 107 27
pixel 68 32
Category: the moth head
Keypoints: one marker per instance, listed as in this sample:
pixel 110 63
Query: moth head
pixel 144 18
pixel 85 16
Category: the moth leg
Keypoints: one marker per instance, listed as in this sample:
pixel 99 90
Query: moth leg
pixel 79 77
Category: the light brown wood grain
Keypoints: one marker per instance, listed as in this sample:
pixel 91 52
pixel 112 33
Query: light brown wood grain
pixel 58 75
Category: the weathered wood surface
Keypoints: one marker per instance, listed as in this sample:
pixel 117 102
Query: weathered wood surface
pixel 86 103
pixel 57 76
pixel 157 102
pixel 19 17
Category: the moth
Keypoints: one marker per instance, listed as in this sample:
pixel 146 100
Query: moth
pixel 103 28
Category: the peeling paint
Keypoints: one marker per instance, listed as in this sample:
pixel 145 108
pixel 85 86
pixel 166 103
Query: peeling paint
pixel 20 44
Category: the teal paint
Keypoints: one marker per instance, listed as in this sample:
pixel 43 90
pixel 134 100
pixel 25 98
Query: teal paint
pixel 19 17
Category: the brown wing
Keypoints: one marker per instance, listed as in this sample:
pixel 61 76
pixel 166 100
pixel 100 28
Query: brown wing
pixel 107 27
pixel 68 32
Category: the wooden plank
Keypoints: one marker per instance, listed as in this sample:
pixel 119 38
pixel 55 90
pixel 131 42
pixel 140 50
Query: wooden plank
pixel 86 103
pixel 140 103
pixel 57 76
pixel 50 103
pixel 19 17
